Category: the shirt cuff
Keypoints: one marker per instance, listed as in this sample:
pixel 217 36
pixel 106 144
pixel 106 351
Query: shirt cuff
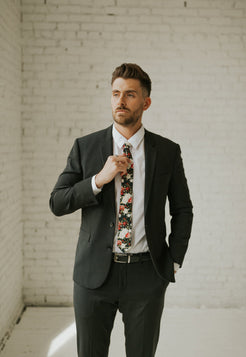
pixel 95 189
pixel 176 266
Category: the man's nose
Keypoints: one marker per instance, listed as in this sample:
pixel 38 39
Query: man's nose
pixel 121 101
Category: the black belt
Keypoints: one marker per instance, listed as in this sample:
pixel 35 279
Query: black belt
pixel 131 258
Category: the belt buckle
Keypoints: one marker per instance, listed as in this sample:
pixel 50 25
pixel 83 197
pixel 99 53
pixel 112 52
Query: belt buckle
pixel 118 255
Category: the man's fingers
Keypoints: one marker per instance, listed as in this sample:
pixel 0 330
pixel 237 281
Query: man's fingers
pixel 114 164
pixel 122 168
pixel 121 162
pixel 122 158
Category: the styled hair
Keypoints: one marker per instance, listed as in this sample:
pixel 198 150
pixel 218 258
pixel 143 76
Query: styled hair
pixel 132 70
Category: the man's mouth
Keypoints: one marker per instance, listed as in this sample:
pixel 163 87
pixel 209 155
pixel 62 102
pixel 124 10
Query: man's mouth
pixel 123 110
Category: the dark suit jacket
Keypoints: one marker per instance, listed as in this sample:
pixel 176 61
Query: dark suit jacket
pixel 164 178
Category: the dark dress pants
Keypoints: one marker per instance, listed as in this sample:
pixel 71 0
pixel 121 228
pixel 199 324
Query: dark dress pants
pixel 138 292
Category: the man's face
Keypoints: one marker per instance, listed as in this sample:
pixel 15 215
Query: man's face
pixel 128 102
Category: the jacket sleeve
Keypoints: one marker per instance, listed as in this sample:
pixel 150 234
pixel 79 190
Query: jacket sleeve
pixel 180 210
pixel 72 190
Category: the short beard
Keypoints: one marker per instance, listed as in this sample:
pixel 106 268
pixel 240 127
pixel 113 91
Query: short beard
pixel 129 121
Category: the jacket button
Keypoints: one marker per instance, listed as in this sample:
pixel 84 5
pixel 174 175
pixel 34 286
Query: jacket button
pixel 111 224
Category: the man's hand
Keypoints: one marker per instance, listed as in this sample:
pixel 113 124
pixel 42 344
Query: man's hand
pixel 176 267
pixel 113 166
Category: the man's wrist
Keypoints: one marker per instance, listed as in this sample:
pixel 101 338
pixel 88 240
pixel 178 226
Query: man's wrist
pixel 98 183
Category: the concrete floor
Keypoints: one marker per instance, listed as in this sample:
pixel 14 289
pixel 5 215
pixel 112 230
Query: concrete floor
pixel 50 332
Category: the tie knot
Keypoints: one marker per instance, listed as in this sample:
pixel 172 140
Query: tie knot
pixel 126 150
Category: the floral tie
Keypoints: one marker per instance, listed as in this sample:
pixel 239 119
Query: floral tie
pixel 125 211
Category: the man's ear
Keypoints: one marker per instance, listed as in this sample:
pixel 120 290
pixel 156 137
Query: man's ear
pixel 147 103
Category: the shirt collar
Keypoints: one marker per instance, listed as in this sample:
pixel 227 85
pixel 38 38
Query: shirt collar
pixel 134 140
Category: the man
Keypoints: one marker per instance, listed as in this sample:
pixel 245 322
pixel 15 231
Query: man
pixel 121 177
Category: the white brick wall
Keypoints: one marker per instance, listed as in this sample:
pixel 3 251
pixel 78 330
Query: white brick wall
pixel 195 54
pixel 10 170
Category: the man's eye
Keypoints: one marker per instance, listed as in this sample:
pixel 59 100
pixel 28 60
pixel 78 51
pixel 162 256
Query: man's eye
pixel 130 95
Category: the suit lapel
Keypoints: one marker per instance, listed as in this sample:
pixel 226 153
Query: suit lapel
pixel 150 161
pixel 106 145
pixel 106 148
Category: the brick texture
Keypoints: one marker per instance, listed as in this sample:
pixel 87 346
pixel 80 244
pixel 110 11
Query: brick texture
pixel 195 54
pixel 11 232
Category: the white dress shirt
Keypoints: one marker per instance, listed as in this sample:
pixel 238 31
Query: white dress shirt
pixel 139 242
